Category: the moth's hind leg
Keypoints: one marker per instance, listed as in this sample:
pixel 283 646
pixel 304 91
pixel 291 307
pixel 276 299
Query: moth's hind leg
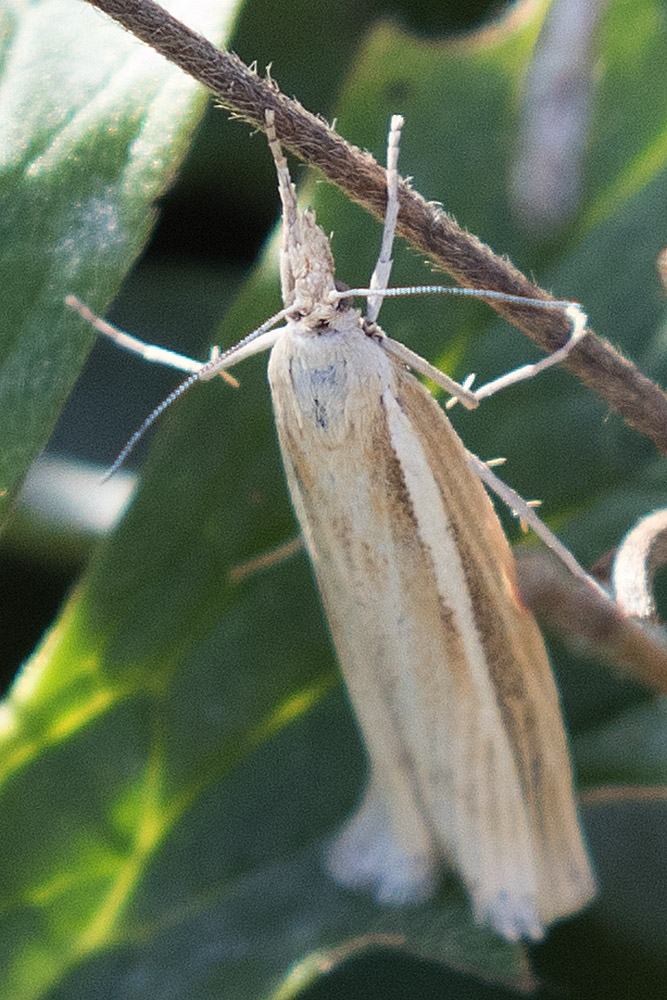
pixel 527 514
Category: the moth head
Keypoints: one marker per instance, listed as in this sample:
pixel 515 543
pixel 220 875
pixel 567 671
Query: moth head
pixel 307 271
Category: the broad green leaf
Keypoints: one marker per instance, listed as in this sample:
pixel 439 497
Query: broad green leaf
pixel 630 750
pixel 627 825
pixel 177 752
pixel 93 127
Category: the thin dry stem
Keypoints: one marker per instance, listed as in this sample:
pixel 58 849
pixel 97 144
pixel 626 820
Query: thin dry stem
pixel 425 226
pixel 591 624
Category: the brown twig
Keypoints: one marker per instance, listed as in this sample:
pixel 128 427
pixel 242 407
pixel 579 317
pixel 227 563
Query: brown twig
pixel 424 225
pixel 590 624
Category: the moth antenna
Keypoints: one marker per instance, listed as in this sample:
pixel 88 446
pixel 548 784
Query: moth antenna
pixel 567 305
pixel 215 366
pixel 134 440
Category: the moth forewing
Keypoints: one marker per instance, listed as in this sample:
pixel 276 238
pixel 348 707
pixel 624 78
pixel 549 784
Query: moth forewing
pixel 446 670
pixel 509 665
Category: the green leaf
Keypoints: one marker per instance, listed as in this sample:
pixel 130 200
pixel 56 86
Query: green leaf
pixel 93 128
pixel 627 825
pixel 177 752
pixel 630 750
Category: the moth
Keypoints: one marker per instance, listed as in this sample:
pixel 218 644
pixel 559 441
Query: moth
pixel 446 670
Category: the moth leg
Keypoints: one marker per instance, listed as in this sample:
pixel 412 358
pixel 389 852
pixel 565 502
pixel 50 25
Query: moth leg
pixel 578 330
pixel 271 557
pixel 148 352
pixel 380 276
pixel 369 853
pixel 462 392
pixel 527 513
pixel 414 361
pixel 285 186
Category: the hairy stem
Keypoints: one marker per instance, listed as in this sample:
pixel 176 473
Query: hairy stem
pixel 424 225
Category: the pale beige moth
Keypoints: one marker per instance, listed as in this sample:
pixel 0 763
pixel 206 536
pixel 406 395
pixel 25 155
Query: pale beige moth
pixel 446 670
